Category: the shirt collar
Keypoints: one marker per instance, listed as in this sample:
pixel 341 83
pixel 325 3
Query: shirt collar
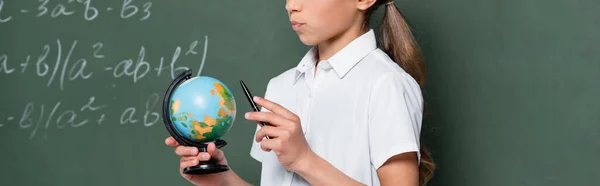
pixel 308 61
pixel 344 60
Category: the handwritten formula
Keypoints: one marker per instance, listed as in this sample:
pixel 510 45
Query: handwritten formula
pixel 59 68
pixel 65 68
pixel 82 8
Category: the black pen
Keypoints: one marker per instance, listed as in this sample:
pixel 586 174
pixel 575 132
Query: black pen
pixel 253 104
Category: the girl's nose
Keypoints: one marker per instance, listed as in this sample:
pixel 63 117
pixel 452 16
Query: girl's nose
pixel 292 6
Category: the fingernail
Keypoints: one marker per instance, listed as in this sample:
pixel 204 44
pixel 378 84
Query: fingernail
pixel 256 98
pixel 194 151
pixel 247 115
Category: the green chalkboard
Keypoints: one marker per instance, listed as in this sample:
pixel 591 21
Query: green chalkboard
pixel 514 90
pixel 512 86
pixel 81 83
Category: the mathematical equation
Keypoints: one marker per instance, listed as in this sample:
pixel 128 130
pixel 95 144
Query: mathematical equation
pixel 62 69
pixel 68 66
pixel 84 8
pixel 39 118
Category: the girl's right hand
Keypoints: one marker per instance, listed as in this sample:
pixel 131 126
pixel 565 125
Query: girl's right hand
pixel 191 157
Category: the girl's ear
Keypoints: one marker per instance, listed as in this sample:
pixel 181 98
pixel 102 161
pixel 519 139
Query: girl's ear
pixel 365 4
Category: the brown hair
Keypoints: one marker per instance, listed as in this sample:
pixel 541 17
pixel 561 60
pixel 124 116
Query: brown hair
pixel 397 41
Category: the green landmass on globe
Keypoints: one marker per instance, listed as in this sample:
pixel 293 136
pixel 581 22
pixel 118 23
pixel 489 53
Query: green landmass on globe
pixel 205 128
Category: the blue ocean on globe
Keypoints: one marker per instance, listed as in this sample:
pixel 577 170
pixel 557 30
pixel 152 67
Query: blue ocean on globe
pixel 202 109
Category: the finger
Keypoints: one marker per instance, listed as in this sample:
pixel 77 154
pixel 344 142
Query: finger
pixel 187 158
pixel 269 117
pixel 203 156
pixel 170 141
pixel 189 163
pixel 276 108
pixel 186 151
pixel 270 145
pixel 215 153
pixel 273 132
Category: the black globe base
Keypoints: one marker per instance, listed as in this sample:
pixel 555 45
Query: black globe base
pixel 207 167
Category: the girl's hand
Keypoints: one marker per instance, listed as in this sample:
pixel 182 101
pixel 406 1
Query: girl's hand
pixel 191 157
pixel 287 139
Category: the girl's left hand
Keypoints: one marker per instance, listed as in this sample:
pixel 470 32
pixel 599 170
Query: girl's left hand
pixel 287 139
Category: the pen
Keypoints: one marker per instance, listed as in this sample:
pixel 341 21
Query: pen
pixel 253 104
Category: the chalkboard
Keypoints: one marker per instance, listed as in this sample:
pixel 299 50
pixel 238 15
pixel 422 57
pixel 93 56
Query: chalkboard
pixel 512 86
pixel 513 90
pixel 81 82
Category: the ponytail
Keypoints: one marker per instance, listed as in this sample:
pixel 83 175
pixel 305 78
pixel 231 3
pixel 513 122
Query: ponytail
pixel 397 41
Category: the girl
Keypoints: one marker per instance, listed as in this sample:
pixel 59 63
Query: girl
pixel 348 114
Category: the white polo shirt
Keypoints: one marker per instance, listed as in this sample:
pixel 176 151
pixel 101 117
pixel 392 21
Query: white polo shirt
pixel 359 110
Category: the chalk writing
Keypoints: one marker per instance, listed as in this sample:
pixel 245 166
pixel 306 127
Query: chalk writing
pixel 75 71
pixel 149 116
pixel 66 67
pixel 139 71
pixel 127 116
pixel 101 119
pixel 203 55
pixel 128 10
pixel 25 64
pixel 49 73
pixel 90 12
pixel 86 8
pixel 2 119
pixel 40 118
pixel 57 117
pixel 6 19
pixel 4 66
pixel 97 47
pixel 42 9
pixel 89 106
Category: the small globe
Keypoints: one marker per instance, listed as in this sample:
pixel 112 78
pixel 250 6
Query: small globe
pixel 202 109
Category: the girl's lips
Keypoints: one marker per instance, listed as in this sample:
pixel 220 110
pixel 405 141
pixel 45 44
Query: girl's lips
pixel 296 25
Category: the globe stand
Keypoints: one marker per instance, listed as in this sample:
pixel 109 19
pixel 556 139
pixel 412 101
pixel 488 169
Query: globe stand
pixel 204 167
pixel 210 166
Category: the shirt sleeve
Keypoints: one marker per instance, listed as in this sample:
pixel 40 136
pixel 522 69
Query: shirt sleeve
pixel 395 114
pixel 255 151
